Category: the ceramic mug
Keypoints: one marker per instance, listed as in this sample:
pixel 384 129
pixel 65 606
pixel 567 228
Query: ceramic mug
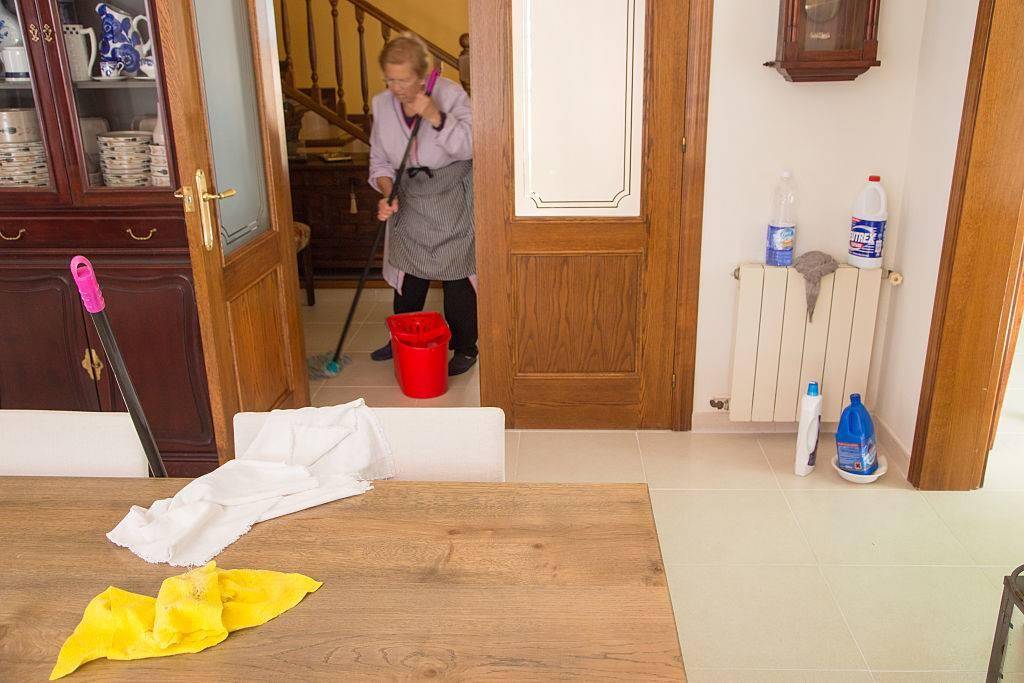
pixel 15 61
pixel 111 70
pixel 81 46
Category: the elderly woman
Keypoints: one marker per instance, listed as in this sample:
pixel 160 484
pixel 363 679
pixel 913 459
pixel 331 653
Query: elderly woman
pixel 430 224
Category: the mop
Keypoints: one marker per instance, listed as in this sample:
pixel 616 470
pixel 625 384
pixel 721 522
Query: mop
pixel 92 299
pixel 322 366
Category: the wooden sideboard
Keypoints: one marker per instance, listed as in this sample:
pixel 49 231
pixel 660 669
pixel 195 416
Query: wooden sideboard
pixel 340 207
pixel 134 235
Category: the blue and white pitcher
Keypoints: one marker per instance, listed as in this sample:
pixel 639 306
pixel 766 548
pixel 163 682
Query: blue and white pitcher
pixel 122 40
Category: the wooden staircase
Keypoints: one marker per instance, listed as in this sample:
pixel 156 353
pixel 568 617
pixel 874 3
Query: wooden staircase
pixel 337 113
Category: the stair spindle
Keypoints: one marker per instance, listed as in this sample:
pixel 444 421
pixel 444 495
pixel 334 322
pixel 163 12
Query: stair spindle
pixel 464 61
pixel 287 65
pixel 340 104
pixel 311 32
pixel 363 83
pixel 385 32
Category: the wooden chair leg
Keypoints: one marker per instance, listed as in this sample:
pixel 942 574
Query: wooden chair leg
pixel 307 267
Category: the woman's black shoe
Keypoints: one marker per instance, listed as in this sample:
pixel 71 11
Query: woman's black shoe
pixel 460 363
pixel 383 353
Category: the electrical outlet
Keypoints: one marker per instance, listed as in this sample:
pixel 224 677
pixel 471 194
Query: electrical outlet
pixel 720 403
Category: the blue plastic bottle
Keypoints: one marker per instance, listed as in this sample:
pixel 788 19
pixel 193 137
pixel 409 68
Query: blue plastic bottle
pixel 855 439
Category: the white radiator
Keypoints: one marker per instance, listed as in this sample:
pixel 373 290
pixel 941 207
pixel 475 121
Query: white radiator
pixel 778 351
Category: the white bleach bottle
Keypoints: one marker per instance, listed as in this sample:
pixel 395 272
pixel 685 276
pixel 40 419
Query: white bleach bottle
pixel 807 436
pixel 867 230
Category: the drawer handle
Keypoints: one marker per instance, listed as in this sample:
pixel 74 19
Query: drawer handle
pixel 12 239
pixel 152 231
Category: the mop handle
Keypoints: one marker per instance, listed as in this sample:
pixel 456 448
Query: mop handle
pixel 92 298
pixel 429 88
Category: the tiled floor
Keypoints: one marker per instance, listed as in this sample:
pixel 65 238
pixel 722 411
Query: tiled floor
pixel 363 377
pixel 774 577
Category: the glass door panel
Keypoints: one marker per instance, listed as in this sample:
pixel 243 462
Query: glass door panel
pixel 24 163
pixel 111 63
pixel 233 117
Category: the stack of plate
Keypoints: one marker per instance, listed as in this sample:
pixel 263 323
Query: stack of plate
pixel 161 174
pixel 22 156
pixel 124 158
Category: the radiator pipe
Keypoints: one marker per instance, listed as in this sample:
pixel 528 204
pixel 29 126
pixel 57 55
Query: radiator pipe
pixel 893 277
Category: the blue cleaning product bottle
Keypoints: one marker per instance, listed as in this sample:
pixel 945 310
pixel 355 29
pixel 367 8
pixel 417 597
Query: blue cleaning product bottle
pixel 855 439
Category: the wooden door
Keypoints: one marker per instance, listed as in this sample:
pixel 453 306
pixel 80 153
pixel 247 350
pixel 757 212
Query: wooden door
pixel 223 91
pixel 578 151
pixel 46 362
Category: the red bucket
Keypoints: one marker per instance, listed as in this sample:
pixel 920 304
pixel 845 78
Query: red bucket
pixel 420 345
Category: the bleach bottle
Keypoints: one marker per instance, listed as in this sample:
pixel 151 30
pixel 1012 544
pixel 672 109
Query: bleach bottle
pixel 867 230
pixel 855 439
pixel 782 223
pixel 807 436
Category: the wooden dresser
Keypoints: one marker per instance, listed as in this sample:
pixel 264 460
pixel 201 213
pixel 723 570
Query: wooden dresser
pixel 69 187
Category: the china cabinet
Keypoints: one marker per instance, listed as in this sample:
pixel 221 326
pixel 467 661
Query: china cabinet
pixel 87 166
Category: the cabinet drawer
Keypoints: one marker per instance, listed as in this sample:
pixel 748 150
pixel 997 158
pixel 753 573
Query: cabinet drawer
pixel 92 233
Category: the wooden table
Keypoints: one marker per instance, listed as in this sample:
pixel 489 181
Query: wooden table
pixel 469 581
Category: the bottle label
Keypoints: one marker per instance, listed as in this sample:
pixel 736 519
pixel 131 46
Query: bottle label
pixel 858 457
pixel 813 457
pixel 781 238
pixel 866 238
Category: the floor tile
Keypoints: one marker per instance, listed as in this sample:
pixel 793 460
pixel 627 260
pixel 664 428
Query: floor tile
pixel 683 460
pixel 323 337
pixel 876 527
pixel 579 457
pixel 511 454
pixel 364 372
pixel 335 310
pixel 759 618
pixel 368 337
pixel 379 311
pixel 930 677
pixel 1005 468
pixel 781 450
pixel 778 676
pixel 990 524
pixel 455 397
pixel 725 527
pixel 376 397
pixel 917 618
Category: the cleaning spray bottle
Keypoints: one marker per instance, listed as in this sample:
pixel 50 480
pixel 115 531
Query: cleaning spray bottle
pixel 807 435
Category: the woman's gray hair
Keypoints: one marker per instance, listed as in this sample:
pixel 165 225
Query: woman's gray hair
pixel 407 48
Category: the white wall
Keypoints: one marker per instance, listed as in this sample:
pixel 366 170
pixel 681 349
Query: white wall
pixel 941 80
pixel 831 135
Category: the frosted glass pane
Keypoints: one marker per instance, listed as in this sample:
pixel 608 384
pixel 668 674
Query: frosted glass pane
pixel 232 110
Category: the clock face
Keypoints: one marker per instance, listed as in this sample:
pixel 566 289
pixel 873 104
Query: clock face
pixel 822 11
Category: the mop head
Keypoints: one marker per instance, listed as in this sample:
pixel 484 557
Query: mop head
pixel 322 367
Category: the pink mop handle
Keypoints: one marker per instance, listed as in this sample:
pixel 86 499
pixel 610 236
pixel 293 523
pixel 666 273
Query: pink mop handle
pixel 432 80
pixel 88 287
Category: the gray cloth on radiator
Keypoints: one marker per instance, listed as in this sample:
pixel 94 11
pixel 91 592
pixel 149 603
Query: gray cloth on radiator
pixel 814 265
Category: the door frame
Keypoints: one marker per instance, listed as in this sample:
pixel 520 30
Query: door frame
pixel 492 121
pixel 976 298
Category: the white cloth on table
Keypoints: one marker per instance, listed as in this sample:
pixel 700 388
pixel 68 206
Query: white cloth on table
pixel 300 459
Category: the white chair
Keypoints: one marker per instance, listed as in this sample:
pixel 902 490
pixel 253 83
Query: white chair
pixel 428 444
pixel 70 444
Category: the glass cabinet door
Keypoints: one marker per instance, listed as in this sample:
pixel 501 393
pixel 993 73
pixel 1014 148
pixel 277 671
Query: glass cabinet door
pixel 25 165
pixel 111 63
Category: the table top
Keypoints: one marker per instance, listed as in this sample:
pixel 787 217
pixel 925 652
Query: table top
pixel 420 580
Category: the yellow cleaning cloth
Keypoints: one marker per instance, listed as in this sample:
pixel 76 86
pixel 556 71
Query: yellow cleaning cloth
pixel 192 611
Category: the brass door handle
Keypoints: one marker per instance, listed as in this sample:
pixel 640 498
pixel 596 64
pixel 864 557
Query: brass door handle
pixel 15 238
pixel 92 364
pixel 185 195
pixel 207 197
pixel 152 231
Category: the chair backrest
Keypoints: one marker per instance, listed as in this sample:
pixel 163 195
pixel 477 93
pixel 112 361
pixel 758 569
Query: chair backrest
pixel 428 444
pixel 70 444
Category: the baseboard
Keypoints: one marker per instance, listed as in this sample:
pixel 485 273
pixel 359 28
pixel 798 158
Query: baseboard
pixel 891 446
